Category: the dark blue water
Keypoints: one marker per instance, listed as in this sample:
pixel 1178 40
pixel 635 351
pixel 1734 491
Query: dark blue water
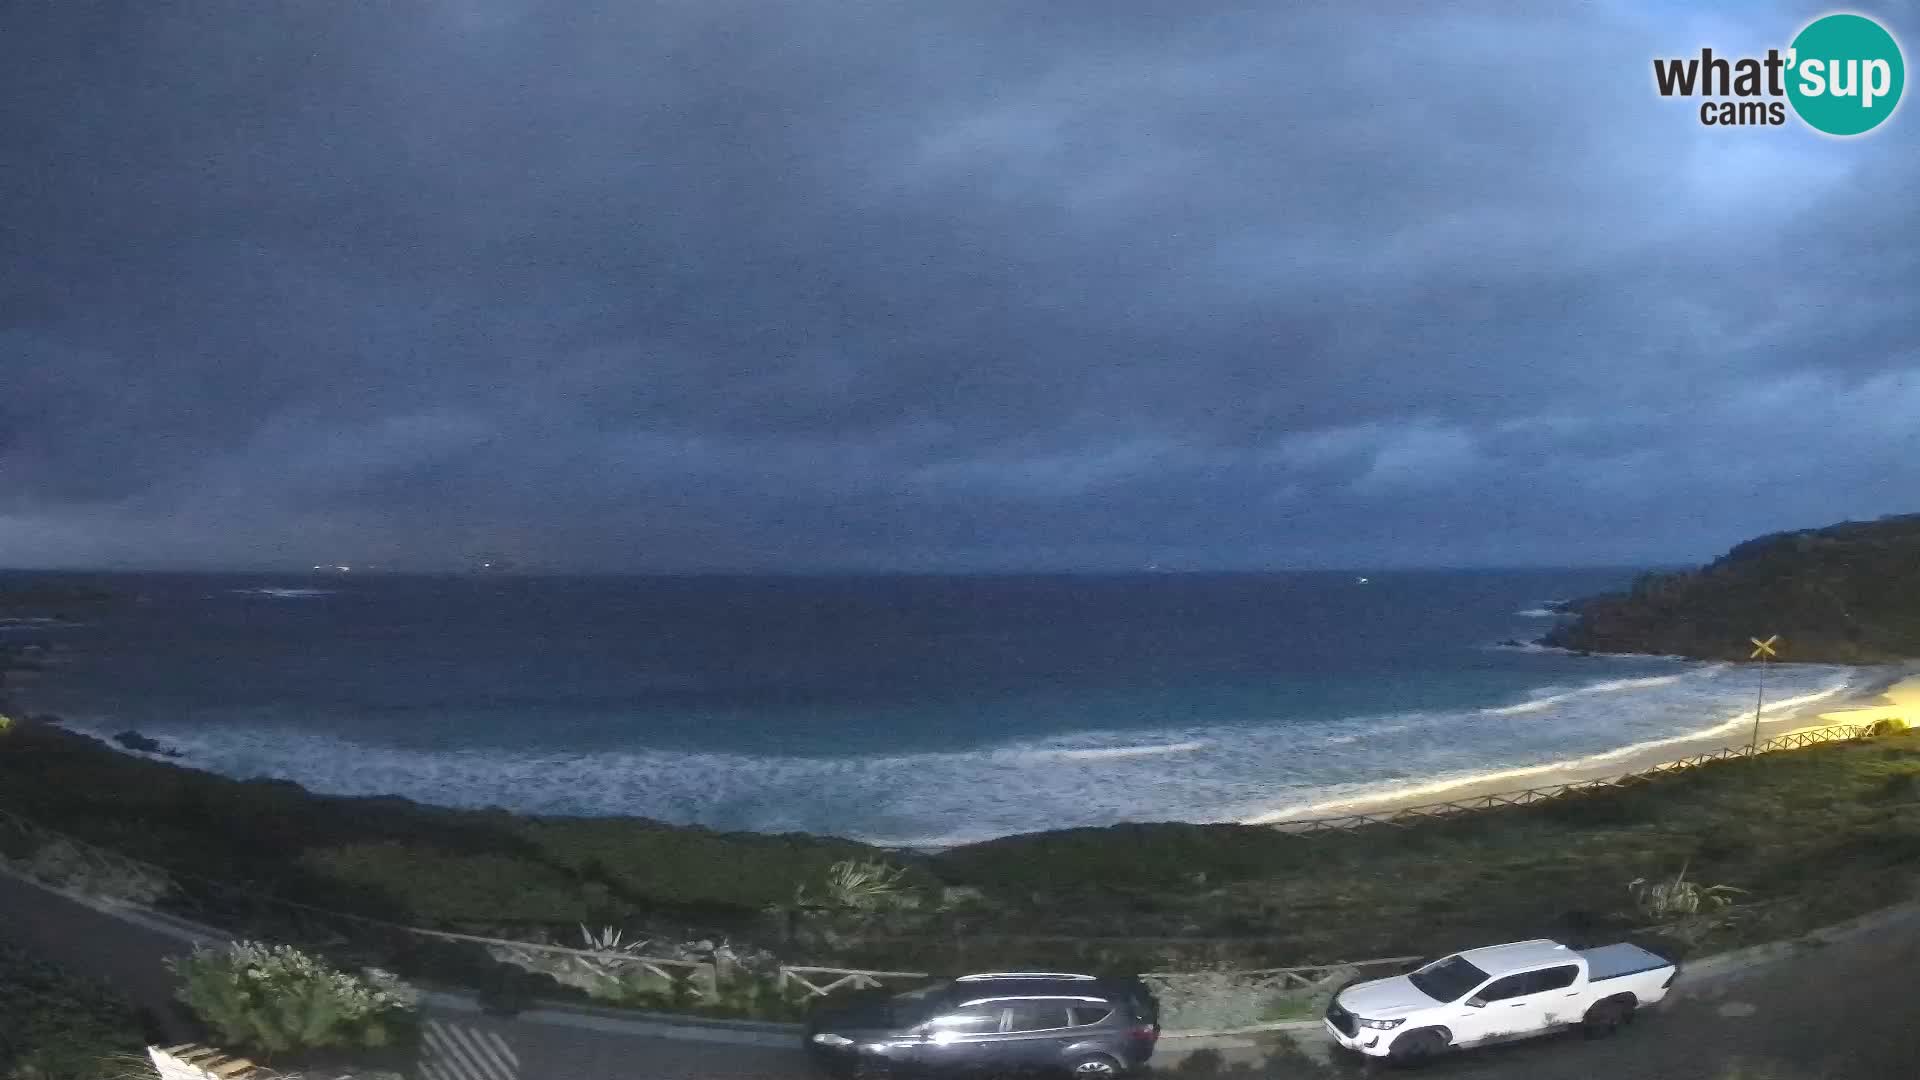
pixel 900 709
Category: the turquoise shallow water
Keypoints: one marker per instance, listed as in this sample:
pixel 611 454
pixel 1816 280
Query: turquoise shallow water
pixel 903 710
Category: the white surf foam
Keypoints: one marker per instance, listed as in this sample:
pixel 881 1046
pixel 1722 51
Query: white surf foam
pixel 278 593
pixel 1547 609
pixel 1102 753
pixel 36 622
pixel 1546 698
pixel 1524 646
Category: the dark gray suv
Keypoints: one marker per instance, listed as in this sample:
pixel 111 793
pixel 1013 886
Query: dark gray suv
pixel 1004 1023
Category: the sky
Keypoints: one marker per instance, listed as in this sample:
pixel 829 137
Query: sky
pixel 718 285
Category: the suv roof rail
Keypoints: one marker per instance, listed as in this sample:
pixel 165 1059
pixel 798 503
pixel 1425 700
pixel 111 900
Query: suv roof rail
pixel 986 975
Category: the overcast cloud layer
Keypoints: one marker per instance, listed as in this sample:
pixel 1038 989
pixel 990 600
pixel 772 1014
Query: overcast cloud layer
pixel 716 284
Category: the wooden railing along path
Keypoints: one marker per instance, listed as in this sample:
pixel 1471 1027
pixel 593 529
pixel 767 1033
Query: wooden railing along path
pixel 1282 979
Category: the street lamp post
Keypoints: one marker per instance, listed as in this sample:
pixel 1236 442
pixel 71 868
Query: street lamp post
pixel 1763 652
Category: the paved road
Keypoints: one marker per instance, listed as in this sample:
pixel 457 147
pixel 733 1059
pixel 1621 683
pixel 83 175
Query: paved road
pixel 1846 1011
pixel 87 943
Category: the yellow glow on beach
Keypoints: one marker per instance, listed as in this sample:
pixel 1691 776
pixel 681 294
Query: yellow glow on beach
pixel 1904 704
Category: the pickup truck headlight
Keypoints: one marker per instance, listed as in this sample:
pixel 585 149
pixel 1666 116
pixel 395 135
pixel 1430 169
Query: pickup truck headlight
pixel 1380 1025
pixel 829 1039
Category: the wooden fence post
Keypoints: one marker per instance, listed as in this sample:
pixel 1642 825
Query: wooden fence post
pixel 706 979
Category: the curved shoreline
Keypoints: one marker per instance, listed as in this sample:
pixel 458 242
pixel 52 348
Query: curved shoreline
pixel 1884 689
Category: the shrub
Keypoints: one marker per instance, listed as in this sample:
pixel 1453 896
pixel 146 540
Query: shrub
pixel 1221 1000
pixel 616 973
pixel 744 982
pixel 276 998
pixel 1891 725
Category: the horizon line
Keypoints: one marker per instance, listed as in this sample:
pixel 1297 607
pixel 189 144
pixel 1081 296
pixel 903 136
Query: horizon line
pixel 377 571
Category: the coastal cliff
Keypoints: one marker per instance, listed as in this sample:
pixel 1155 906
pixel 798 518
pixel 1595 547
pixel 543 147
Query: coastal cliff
pixel 1843 594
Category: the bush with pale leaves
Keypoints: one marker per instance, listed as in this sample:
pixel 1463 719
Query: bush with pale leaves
pixel 275 998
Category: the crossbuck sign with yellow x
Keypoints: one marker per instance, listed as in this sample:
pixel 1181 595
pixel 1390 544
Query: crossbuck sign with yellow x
pixel 1763 648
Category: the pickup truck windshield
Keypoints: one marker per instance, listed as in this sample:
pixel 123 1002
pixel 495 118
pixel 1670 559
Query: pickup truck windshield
pixel 1447 980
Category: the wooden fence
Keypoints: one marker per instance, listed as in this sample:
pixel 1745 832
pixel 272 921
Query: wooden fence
pixel 850 978
pixel 1410 815
pixel 1283 979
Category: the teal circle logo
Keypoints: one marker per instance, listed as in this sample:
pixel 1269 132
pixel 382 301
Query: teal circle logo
pixel 1845 74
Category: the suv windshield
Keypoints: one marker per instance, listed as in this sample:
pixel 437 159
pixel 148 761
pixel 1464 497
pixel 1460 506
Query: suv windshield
pixel 1447 980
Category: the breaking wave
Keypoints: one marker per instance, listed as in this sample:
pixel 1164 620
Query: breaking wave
pixel 1548 697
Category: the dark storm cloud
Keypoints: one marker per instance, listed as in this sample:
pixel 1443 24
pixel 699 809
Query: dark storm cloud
pixel 686 285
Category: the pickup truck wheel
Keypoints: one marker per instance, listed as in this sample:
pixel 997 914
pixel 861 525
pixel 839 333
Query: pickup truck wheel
pixel 1605 1018
pixel 1416 1048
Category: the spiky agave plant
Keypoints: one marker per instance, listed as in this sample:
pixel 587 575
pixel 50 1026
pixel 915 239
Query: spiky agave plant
pixel 1667 899
pixel 608 940
pixel 612 963
pixel 857 885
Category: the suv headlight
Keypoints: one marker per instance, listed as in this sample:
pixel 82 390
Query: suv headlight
pixel 827 1038
pixel 1380 1025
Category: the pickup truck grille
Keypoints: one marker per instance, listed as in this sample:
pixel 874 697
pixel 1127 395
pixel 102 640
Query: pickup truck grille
pixel 1341 1018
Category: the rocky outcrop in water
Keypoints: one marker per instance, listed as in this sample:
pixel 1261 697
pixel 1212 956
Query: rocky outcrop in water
pixel 133 740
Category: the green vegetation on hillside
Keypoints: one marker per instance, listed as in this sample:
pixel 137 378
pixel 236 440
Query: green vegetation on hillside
pixel 1845 594
pixel 1807 836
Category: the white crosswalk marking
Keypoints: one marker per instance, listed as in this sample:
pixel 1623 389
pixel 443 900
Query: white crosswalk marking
pixel 456 1052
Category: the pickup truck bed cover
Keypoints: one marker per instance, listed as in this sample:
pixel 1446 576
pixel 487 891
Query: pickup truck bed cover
pixel 1614 961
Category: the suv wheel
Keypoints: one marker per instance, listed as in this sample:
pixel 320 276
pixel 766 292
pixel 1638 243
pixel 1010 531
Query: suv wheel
pixel 1095 1065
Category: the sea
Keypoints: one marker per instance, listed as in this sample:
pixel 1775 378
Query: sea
pixel 909 711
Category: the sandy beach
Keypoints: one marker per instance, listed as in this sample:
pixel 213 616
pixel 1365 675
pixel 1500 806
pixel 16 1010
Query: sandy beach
pixel 1880 692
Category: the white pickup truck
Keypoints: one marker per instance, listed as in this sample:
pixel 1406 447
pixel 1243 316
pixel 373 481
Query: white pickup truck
pixel 1497 994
